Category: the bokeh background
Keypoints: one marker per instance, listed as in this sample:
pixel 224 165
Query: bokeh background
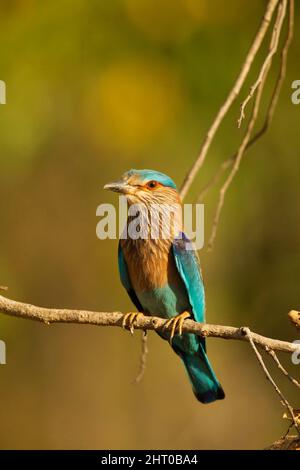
pixel 95 88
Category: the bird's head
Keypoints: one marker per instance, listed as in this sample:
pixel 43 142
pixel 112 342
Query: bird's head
pixel 155 196
pixel 147 187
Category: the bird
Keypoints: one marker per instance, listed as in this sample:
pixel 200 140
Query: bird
pixel 162 275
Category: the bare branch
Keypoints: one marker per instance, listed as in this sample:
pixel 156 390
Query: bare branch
pixel 270 110
pixel 281 75
pixel 268 60
pixel 255 46
pixel 215 179
pixel 55 315
pixel 250 127
pixel 236 166
pixel 143 360
pixel 284 401
pixel 281 368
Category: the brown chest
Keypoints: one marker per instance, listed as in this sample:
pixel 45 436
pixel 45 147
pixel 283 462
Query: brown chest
pixel 150 265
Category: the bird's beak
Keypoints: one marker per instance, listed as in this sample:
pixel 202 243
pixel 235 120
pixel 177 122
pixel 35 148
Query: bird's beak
pixel 118 187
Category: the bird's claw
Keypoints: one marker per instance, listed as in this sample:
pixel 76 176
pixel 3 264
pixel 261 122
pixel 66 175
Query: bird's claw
pixel 176 322
pixel 129 319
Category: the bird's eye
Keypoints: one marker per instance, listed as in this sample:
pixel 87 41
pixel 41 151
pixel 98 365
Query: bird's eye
pixel 152 184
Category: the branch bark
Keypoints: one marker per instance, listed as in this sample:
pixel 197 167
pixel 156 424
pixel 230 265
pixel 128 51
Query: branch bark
pixel 55 315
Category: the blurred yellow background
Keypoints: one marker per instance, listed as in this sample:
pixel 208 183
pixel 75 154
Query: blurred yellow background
pixel 95 88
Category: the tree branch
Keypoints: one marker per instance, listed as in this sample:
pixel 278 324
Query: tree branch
pixel 55 315
pixel 255 46
pixel 143 360
pixel 270 109
pixel 281 368
pixel 284 400
pixel 260 86
pixel 267 61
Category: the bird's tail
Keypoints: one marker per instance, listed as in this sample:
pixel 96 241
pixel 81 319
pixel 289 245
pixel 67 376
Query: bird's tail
pixel 206 386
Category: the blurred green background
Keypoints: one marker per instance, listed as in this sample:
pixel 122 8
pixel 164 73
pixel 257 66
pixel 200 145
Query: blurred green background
pixel 94 88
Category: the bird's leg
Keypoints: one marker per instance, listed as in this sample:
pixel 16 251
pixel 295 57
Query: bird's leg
pixel 176 322
pixel 129 319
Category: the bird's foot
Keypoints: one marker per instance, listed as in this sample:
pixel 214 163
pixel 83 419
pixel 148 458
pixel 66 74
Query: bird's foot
pixel 129 320
pixel 176 322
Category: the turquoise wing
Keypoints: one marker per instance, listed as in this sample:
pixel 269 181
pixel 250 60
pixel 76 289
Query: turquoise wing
pixel 125 279
pixel 205 384
pixel 187 263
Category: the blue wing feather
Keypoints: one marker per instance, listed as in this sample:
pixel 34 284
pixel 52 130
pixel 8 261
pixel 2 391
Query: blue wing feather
pixel 187 263
pixel 125 279
pixel 205 384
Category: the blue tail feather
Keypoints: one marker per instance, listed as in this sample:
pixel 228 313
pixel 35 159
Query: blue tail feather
pixel 206 386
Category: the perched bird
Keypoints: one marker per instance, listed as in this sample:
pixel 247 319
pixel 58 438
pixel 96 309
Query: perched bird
pixel 162 275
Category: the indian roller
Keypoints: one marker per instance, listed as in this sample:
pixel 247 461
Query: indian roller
pixel 162 276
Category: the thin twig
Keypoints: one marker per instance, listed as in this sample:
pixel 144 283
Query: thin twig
pixel 282 73
pixel 55 315
pixel 268 60
pixel 143 359
pixel 215 179
pixel 270 110
pixel 255 46
pixel 281 368
pixel 250 127
pixel 284 401
pixel 236 166
pixel 288 417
